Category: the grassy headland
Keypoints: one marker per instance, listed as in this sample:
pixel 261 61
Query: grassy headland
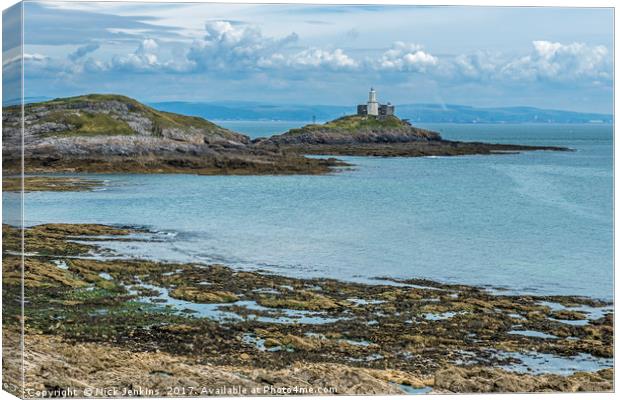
pixel 112 133
pixel 93 122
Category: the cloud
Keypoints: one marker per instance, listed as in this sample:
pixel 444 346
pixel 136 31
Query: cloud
pixel 477 66
pixel 317 58
pixel 13 65
pixel 406 57
pixel 40 65
pixel 553 61
pixel 547 62
pixel 311 59
pixel 228 47
pixel 50 24
pixel 144 58
pixel 82 51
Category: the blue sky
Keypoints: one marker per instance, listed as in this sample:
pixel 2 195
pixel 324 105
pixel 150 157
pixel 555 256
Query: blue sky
pixel 557 58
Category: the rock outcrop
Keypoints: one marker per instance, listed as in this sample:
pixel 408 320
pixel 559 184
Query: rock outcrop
pixel 354 129
pixel 487 380
pixel 112 133
pixel 111 122
pixel 356 135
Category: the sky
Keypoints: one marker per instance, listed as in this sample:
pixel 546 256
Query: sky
pixel 558 58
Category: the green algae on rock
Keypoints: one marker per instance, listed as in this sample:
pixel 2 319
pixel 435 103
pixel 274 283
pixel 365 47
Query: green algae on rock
pixel 265 324
pixel 49 184
pixel 203 295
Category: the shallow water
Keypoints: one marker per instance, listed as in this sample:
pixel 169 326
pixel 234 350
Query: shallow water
pixel 530 333
pixel 256 129
pixel 218 311
pixel 537 222
pixel 541 363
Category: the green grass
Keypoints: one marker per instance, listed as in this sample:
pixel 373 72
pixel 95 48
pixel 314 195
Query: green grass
pixel 352 123
pixel 164 119
pixel 66 110
pixel 88 124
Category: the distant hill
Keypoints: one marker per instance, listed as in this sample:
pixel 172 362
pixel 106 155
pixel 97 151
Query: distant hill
pixel 254 111
pixel 427 113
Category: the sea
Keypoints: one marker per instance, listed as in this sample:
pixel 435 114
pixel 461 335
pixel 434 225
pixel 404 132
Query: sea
pixel 535 222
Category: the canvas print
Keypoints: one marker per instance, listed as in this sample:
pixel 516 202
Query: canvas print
pixel 293 199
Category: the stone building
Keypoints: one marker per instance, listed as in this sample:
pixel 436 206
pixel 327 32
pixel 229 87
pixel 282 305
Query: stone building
pixel 373 108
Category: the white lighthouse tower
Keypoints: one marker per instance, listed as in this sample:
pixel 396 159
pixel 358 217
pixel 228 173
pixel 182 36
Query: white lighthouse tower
pixel 373 105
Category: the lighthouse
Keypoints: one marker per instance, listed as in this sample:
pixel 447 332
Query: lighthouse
pixel 373 105
pixel 373 108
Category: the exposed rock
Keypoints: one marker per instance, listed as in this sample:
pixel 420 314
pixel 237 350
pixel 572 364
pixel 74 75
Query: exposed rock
pixel 478 380
pixel 353 129
pixel 390 137
pixel 203 295
pixel 111 133
pixel 52 364
pixel 301 300
pixel 360 338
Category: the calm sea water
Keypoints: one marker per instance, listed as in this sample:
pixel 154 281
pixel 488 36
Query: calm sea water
pixel 256 129
pixel 537 222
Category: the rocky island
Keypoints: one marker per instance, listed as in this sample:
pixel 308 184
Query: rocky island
pixel 356 135
pixel 112 133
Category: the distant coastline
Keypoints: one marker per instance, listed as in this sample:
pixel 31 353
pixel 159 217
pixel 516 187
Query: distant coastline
pixel 416 113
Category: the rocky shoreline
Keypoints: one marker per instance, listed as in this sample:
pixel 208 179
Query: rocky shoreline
pixel 389 137
pixel 115 134
pixel 438 148
pixel 193 325
pixel 284 164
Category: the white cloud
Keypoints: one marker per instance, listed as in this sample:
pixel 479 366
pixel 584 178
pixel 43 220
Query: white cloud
pixel 319 58
pixel 554 61
pixel 406 57
pixel 477 66
pixel 40 64
pixel 144 58
pixel 37 58
pixel 234 48
pixel 226 46
pixel 229 47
